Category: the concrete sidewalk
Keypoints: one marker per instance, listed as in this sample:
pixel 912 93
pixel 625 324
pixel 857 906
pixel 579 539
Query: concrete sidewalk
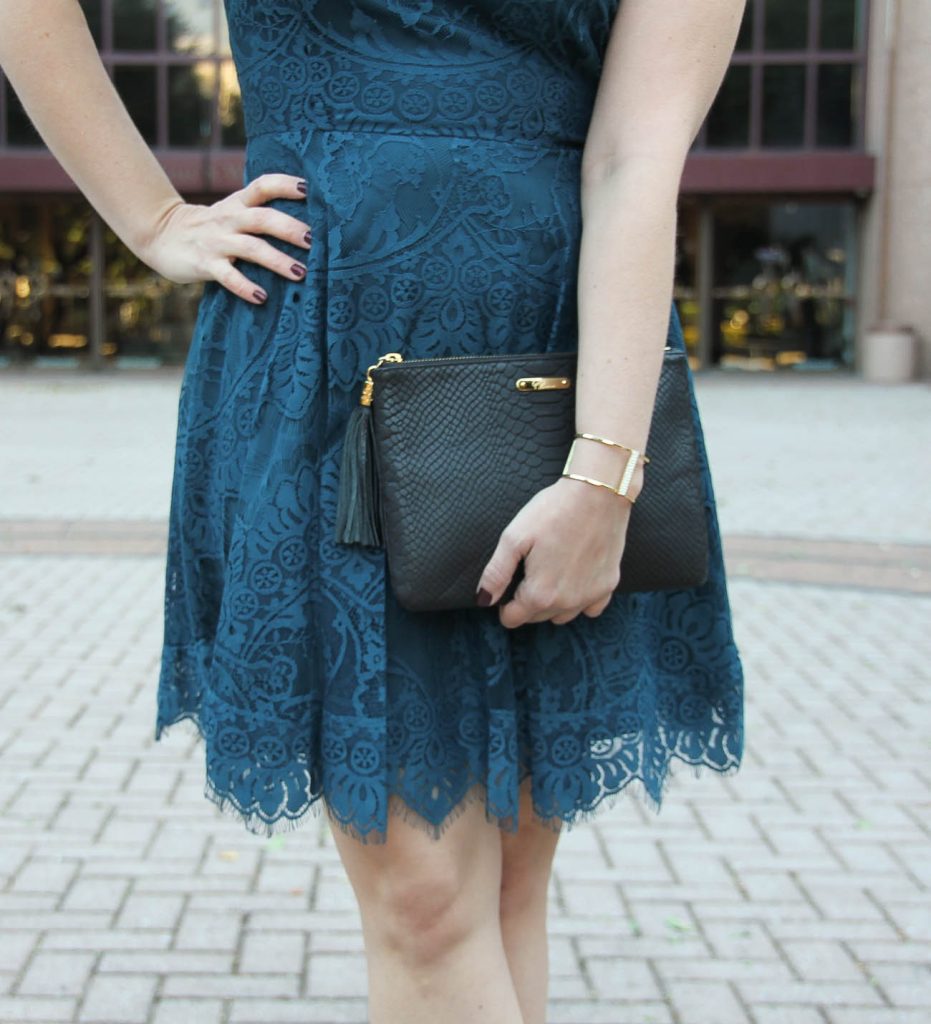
pixel 794 892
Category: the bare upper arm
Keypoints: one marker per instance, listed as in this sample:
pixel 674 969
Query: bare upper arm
pixel 663 65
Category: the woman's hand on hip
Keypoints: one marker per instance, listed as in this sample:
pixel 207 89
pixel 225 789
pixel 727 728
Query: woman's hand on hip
pixel 571 537
pixel 198 243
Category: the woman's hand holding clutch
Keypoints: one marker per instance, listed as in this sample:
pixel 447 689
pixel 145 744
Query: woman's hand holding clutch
pixel 571 537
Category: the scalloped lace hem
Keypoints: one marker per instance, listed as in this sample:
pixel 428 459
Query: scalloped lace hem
pixel 476 791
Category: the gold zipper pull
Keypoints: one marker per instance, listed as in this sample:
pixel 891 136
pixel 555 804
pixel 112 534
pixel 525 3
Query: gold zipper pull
pixel 369 386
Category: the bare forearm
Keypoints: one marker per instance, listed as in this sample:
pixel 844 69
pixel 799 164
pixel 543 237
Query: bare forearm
pixel 626 267
pixel 50 58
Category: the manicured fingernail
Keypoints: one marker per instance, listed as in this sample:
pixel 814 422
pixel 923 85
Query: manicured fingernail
pixel 297 270
pixel 302 186
pixel 306 238
pixel 484 598
pixel 260 294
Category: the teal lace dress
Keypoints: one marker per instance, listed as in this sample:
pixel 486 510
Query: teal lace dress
pixel 441 143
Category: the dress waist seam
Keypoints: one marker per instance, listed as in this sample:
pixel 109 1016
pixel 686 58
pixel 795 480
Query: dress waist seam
pixel 551 142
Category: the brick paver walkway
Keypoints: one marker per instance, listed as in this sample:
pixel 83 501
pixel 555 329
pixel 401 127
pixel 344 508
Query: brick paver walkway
pixel 794 892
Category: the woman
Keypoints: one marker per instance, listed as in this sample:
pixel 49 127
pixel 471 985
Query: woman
pixel 417 176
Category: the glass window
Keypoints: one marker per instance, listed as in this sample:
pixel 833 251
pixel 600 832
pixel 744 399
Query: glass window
pixel 782 90
pixel 686 275
pixel 45 289
pixel 783 105
pixel 148 319
pixel 729 117
pixel 19 129
pixel 138 89
pixel 232 128
pixel 189 26
pixel 134 24
pixel 190 103
pixel 783 280
pixel 44 278
pixel 94 18
pixel 745 35
pixel 836 105
pixel 786 25
pixel 839 24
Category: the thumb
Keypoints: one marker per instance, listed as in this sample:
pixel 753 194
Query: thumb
pixel 500 568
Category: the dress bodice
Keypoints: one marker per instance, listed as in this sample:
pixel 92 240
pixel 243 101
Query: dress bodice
pixel 523 70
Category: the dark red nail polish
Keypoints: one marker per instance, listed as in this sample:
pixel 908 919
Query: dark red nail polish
pixel 297 270
pixel 260 294
pixel 307 237
pixel 302 186
pixel 484 598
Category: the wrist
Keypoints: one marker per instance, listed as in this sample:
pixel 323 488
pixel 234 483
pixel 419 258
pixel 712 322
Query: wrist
pixel 145 239
pixel 618 502
pixel 606 463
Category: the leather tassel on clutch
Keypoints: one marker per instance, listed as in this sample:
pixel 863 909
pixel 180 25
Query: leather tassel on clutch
pixel 358 508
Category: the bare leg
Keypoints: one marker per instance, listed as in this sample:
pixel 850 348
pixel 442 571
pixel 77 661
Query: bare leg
pixel 527 864
pixel 430 922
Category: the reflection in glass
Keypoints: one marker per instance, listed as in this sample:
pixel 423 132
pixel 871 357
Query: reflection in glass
pixel 134 24
pixel 189 26
pixel 45 283
pixel 147 317
pixel 729 117
pixel 840 24
pixel 44 278
pixel 786 25
pixel 783 280
pixel 190 103
pixel 232 128
pixel 686 280
pixel 783 105
pixel 836 107
pixel 138 90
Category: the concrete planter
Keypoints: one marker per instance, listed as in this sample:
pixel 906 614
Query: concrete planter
pixel 890 354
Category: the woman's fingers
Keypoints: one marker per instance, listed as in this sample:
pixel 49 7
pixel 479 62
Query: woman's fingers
pixel 272 186
pixel 246 217
pixel 544 595
pixel 502 565
pixel 564 575
pixel 237 282
pixel 537 597
pixel 266 220
pixel 257 250
pixel 595 609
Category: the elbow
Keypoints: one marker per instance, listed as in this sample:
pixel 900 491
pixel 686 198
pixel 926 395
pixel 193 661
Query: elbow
pixel 654 170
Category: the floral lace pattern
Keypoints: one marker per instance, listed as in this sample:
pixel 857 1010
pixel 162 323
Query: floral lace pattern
pixel 441 143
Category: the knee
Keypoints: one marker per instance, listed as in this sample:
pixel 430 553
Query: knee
pixel 423 915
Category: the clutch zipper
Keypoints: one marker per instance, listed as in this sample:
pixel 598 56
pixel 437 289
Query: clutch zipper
pixel 368 387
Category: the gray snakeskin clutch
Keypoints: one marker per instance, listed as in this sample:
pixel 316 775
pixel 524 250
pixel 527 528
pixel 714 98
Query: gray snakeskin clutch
pixel 450 448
